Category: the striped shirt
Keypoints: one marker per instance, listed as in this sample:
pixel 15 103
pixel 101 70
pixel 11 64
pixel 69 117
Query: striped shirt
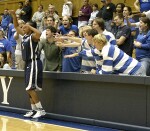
pixel 116 61
pixel 88 63
pixel 110 37
pixel 112 60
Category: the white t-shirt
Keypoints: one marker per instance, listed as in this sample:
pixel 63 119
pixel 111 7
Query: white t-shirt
pixel 67 9
pixel 147 13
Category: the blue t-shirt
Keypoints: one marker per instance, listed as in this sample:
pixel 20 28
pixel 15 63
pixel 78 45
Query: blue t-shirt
pixel 65 31
pixel 71 64
pixel 144 51
pixel 144 5
pixel 5 46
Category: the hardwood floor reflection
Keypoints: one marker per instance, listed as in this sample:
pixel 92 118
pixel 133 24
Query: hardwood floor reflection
pixel 16 124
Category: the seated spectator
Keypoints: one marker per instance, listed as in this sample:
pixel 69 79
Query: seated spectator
pixel 5 47
pixel 3 61
pixel 67 26
pixel 37 17
pixel 67 8
pixel 142 44
pixel 93 14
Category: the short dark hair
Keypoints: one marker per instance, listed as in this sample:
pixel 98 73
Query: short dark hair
pixel 20 2
pixel 52 29
pixel 129 9
pixel 33 24
pixel 92 32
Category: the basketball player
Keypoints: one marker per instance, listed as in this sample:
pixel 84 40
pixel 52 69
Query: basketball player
pixel 33 65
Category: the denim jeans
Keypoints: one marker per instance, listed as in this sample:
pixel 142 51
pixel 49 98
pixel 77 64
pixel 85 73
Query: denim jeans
pixel 146 65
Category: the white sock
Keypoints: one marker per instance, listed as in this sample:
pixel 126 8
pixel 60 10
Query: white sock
pixel 33 107
pixel 38 105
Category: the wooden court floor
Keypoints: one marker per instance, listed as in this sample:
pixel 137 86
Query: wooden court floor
pixel 16 124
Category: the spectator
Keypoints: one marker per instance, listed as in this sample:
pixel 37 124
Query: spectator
pixel 123 35
pixel 26 12
pixel 67 8
pixel 5 47
pixel 18 11
pixel 108 13
pixel 84 14
pixel 99 25
pixel 142 5
pixel 52 53
pixel 6 20
pixel 67 26
pixel 72 64
pixel 99 14
pixel 11 32
pixel 37 17
pixel 119 8
pixel 142 44
pixel 94 13
pixel 20 64
pixel 127 11
pixel 52 12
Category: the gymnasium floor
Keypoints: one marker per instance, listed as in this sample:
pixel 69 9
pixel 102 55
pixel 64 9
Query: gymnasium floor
pixel 16 122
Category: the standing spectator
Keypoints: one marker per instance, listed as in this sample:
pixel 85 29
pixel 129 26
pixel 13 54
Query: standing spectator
pixel 11 32
pixel 142 44
pixel 119 8
pixel 37 17
pixel 50 21
pixel 67 26
pixel 20 64
pixel 6 20
pixel 127 11
pixel 99 25
pixel 99 15
pixel 18 11
pixel 123 35
pixel 84 14
pixel 94 13
pixel 26 12
pixel 44 20
pixel 33 65
pixel 72 64
pixel 52 12
pixel 108 13
pixel 67 8
pixel 142 5
pixel 52 52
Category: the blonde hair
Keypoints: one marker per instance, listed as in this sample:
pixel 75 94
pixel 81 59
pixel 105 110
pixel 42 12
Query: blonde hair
pixel 100 38
pixel 83 29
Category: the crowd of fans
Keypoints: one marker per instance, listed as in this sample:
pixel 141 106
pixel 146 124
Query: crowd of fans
pixel 101 43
